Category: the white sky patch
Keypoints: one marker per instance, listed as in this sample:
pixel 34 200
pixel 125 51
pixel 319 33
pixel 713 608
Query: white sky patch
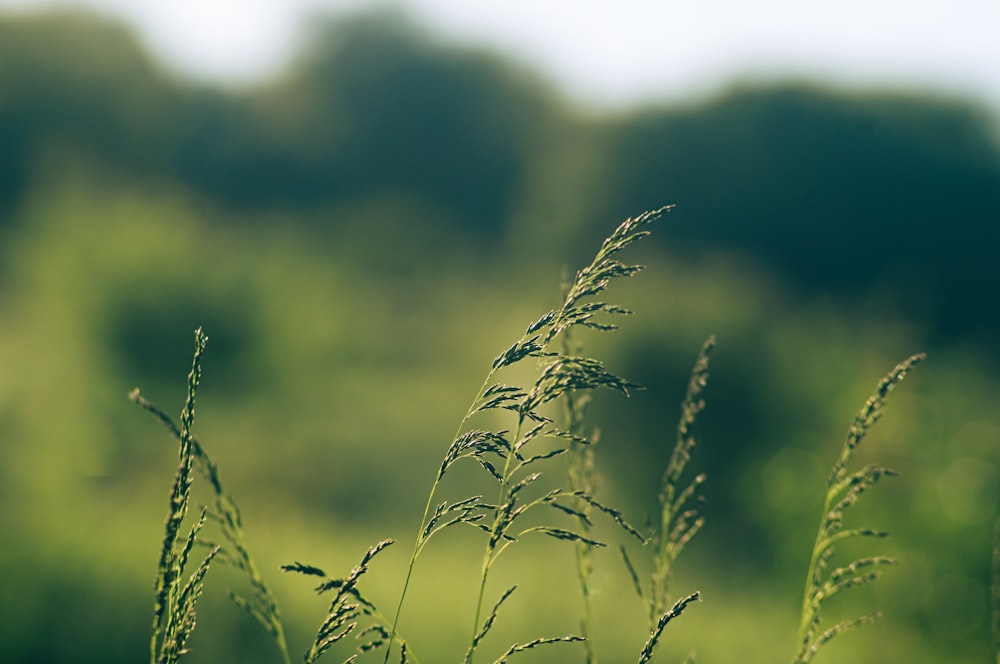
pixel 641 49
pixel 616 52
pixel 219 36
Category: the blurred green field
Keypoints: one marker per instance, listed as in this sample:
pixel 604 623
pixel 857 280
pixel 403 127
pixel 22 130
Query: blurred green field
pixel 359 251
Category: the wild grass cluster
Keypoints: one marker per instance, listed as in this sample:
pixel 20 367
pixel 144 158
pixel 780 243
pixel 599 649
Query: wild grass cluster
pixel 528 418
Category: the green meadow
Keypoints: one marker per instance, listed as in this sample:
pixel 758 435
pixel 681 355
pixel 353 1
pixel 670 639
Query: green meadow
pixel 361 237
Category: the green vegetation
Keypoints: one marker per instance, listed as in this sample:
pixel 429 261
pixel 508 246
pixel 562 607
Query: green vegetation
pixel 843 492
pixel 362 232
pixel 512 458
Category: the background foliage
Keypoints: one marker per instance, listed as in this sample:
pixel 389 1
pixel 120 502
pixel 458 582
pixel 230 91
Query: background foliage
pixel 360 236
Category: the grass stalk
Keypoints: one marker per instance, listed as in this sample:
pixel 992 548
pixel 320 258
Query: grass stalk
pixel 582 477
pixel 419 541
pixel 173 606
pixel 263 607
pixel 843 491
pixel 558 375
pixel 555 375
pixel 562 381
pixel 680 517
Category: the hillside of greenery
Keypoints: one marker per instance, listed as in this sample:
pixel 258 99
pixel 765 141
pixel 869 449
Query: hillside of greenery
pixel 361 236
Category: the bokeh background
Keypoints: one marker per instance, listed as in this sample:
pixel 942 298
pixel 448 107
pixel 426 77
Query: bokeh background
pixel 363 220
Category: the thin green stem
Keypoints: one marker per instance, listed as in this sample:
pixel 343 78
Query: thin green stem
pixel 488 554
pixel 417 546
pixel 410 655
pixel 470 653
pixel 276 623
pixel 419 540
pixel 818 547
pixel 581 478
pixel 583 570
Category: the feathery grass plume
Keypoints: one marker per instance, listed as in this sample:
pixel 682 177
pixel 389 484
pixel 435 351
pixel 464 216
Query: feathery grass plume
pixel 843 491
pixel 996 591
pixel 174 601
pixel 262 606
pixel 347 608
pixel 507 455
pixel 558 375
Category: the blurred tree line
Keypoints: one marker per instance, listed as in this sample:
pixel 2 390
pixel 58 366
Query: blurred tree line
pixel 880 207
pixel 838 192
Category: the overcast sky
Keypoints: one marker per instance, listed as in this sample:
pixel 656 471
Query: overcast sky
pixel 614 53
